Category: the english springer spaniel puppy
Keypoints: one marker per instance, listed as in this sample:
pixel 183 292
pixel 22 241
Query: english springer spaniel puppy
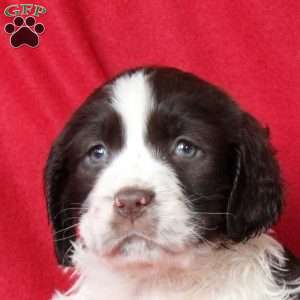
pixel 162 187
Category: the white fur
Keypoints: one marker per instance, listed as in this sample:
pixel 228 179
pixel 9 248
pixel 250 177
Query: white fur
pixel 240 273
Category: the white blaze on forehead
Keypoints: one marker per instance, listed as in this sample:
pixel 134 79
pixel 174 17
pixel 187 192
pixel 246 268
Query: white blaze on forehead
pixel 132 99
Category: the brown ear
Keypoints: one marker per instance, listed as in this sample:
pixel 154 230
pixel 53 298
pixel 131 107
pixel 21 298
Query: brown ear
pixel 55 178
pixel 256 199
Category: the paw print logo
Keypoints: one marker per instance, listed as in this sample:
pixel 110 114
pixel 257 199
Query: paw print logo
pixel 24 32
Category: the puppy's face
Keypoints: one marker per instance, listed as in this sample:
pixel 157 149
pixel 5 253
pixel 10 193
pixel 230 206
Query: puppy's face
pixel 157 162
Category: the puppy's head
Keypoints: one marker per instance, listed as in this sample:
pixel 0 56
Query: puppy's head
pixel 156 162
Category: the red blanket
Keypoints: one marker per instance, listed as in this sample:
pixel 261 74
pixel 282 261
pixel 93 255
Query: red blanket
pixel 250 48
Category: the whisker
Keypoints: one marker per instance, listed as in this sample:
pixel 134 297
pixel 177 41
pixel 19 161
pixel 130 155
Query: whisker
pixel 71 218
pixel 68 209
pixel 213 213
pixel 211 197
pixel 201 227
pixel 67 228
pixel 65 238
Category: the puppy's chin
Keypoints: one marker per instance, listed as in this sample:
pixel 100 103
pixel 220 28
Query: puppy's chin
pixel 136 248
pixel 136 252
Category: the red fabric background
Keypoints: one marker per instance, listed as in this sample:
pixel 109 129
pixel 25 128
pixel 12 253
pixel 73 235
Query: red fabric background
pixel 250 48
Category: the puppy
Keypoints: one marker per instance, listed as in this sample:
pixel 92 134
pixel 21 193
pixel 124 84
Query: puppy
pixel 161 187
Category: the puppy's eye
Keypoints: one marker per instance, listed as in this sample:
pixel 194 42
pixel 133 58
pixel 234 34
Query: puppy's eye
pixel 185 149
pixel 97 153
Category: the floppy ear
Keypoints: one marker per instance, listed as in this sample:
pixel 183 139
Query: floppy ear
pixel 59 211
pixel 256 198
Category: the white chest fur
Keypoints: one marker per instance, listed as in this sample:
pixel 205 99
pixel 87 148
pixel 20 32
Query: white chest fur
pixel 240 273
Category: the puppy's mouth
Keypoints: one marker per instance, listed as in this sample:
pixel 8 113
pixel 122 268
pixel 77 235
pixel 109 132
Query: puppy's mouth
pixel 135 247
pixel 139 254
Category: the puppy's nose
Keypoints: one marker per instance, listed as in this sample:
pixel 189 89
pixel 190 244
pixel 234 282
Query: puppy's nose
pixel 132 203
